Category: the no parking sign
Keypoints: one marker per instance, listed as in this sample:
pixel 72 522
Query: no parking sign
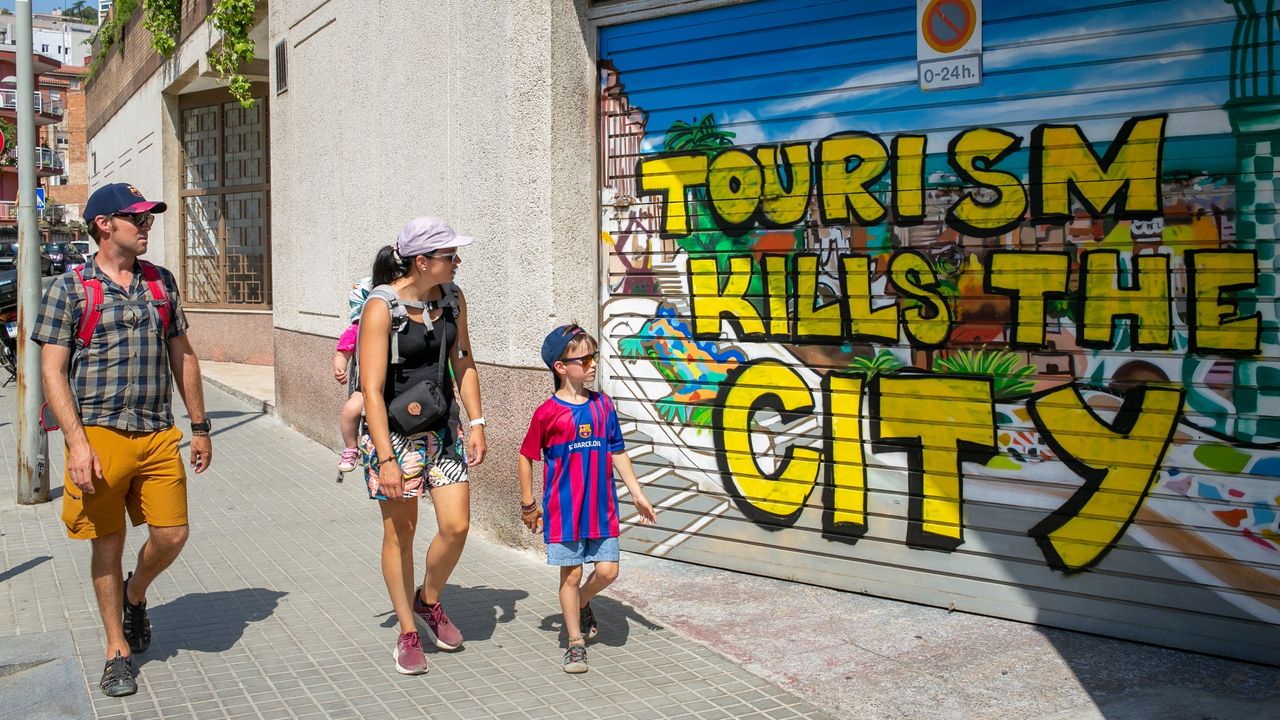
pixel 948 43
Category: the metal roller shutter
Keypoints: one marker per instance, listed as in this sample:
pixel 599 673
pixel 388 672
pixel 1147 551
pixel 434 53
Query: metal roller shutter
pixel 1010 347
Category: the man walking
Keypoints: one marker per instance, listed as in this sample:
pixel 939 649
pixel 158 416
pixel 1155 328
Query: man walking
pixel 111 335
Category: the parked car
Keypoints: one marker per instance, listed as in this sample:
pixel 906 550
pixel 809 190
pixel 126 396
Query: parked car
pixel 9 258
pixel 62 256
pixel 8 289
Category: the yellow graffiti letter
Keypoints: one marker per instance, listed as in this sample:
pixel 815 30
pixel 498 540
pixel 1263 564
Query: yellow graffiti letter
pixel 973 153
pixel 908 179
pixel 1062 161
pixel 710 302
pixel 1117 460
pixel 844 189
pixel 775 285
pixel 734 182
pixel 1028 278
pixel 1146 304
pixel 1216 324
pixel 776 498
pixel 787 182
pixel 940 422
pixel 864 322
pixel 928 321
pixel 671 176
pixel 813 322
pixel 844 502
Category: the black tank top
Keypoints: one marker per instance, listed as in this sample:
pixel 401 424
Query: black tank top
pixel 420 351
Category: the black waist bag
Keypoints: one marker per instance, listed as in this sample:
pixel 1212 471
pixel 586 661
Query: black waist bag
pixel 422 405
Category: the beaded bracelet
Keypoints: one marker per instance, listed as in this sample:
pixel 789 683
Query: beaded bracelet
pixel 526 509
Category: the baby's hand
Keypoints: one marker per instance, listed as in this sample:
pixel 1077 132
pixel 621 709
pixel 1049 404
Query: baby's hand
pixel 648 515
pixel 340 374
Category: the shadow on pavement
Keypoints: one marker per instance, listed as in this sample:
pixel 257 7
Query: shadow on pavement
pixel 23 567
pixel 475 610
pixel 207 622
pixel 612 617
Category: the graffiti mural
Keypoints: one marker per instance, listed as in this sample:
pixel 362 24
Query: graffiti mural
pixel 1025 332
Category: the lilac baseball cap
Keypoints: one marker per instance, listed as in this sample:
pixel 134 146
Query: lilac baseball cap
pixel 424 235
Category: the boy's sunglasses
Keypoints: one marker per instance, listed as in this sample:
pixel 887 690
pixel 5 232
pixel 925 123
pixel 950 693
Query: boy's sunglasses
pixel 587 361
pixel 138 219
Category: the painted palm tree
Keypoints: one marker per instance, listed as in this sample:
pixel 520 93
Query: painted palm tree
pixel 698 135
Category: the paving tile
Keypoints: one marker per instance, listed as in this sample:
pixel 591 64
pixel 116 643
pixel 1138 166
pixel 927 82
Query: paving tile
pixel 276 609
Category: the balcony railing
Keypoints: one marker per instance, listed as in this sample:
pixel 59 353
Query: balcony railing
pixel 47 161
pixel 8 210
pixel 44 105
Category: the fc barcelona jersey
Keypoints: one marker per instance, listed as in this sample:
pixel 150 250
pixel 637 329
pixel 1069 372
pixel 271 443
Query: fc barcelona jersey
pixel 576 445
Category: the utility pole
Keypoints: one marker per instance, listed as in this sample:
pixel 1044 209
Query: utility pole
pixel 33 444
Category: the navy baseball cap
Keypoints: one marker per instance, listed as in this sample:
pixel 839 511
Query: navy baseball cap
pixel 119 198
pixel 555 343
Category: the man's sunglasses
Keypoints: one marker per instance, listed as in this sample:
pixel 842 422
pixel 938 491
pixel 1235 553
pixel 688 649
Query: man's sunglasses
pixel 138 219
pixel 588 361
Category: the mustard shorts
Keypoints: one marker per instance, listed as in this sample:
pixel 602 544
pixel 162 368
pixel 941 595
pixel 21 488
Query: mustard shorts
pixel 141 472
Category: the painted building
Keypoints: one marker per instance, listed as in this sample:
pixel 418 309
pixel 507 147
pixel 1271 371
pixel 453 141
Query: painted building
pixel 1009 348
pixel 49 111
pixel 68 192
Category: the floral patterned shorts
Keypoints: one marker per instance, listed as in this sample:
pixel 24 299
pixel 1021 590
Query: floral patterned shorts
pixel 431 459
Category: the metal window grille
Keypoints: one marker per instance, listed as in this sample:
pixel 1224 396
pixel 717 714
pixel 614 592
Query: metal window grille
pixel 282 68
pixel 225 206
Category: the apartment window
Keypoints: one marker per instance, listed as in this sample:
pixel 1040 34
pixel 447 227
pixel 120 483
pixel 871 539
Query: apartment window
pixel 224 217
pixel 44 48
pixel 282 68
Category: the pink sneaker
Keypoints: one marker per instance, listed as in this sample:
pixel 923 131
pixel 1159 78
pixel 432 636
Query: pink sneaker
pixel 347 462
pixel 408 655
pixel 437 625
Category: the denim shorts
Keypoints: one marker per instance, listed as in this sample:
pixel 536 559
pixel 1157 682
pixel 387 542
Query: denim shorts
pixel 577 552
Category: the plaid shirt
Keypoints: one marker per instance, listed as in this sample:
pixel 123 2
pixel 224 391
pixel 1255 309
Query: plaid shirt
pixel 122 379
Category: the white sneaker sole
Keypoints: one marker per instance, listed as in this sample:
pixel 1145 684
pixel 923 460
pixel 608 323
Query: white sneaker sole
pixel 346 468
pixel 403 670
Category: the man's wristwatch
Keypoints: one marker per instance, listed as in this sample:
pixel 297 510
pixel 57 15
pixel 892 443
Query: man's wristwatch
pixel 201 427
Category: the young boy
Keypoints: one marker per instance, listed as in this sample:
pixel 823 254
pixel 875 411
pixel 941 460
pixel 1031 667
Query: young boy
pixel 576 435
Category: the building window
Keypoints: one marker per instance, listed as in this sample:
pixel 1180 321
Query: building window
pixel 44 48
pixel 282 68
pixel 225 227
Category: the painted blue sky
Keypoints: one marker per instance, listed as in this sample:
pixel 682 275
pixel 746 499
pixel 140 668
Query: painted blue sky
pixel 823 66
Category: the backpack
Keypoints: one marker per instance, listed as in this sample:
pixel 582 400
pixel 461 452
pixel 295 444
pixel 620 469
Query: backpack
pixel 400 321
pixel 94 297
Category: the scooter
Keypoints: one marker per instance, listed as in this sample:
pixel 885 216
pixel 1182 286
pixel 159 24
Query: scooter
pixel 9 343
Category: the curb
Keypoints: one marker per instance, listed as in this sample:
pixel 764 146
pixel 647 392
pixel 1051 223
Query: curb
pixel 264 407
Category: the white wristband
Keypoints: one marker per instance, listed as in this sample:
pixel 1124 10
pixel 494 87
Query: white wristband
pixel 478 421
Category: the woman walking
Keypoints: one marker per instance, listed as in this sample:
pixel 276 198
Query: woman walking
pixel 413 441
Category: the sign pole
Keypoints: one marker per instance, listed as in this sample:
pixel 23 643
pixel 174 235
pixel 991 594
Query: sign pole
pixel 33 444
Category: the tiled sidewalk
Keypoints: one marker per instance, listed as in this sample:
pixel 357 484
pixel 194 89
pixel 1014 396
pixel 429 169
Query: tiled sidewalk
pixel 277 609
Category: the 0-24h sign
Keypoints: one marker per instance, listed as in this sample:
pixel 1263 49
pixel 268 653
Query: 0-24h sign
pixel 948 43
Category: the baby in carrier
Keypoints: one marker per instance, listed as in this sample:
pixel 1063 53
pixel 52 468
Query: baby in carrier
pixel 343 364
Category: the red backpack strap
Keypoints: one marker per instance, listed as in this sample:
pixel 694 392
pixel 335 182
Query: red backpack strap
pixel 155 284
pixel 92 309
